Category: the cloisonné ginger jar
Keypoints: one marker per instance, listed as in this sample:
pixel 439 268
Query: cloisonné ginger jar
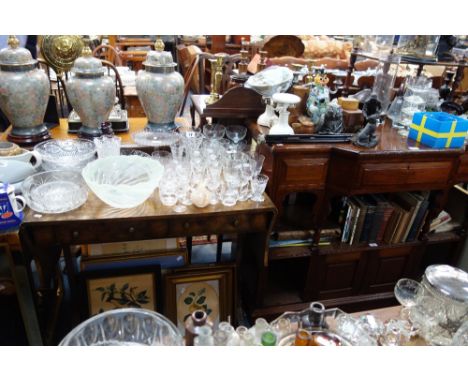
pixel 160 89
pixel 24 93
pixel 91 93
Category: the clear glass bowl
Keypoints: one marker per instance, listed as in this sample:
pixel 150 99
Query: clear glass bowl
pixel 125 327
pixel 54 192
pixel 66 154
pixel 123 181
pixel 155 138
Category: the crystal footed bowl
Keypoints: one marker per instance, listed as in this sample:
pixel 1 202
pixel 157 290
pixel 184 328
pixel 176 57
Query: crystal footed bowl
pixel 155 138
pixel 66 154
pixel 123 181
pixel 125 327
pixel 54 192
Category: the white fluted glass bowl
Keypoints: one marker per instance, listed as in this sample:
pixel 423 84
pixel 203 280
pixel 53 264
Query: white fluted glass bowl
pixel 125 327
pixel 124 181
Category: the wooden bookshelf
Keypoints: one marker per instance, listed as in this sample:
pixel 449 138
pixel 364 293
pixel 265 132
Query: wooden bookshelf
pixel 358 276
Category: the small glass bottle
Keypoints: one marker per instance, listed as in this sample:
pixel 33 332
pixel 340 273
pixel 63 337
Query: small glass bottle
pixel 302 338
pixel 246 338
pixel 193 323
pixel 204 337
pixel 282 327
pixel 268 338
pixel 261 326
pixel 233 337
pixel 220 338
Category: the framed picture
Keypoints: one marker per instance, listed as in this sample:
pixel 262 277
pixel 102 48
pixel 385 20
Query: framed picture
pixel 169 259
pixel 209 288
pixel 130 287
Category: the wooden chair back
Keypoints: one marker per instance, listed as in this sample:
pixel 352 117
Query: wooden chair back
pixel 119 89
pixel 57 88
pixel 108 53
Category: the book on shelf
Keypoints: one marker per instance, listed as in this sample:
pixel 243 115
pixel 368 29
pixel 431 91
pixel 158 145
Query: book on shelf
pixel 378 218
pixel 371 208
pixel 443 218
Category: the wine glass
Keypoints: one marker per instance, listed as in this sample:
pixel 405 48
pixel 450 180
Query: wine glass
pixel 213 131
pixel 236 133
pixel 258 160
pixel 182 179
pixel 259 184
pixel 408 292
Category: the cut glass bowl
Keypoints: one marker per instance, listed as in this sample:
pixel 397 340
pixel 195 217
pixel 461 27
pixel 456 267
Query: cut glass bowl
pixel 54 192
pixel 66 154
pixel 123 181
pixel 155 138
pixel 125 327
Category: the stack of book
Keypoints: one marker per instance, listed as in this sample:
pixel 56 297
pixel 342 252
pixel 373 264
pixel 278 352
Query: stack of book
pixel 388 219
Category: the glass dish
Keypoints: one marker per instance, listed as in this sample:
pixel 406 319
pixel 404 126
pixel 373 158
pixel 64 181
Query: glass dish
pixel 125 327
pixel 66 154
pixel 124 181
pixel 155 138
pixel 336 325
pixel 54 192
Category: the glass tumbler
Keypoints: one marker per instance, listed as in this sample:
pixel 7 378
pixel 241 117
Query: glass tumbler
pixel 107 146
pixel 259 184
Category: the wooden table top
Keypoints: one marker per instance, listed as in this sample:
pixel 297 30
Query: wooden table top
pixel 390 142
pixel 95 209
pixel 136 124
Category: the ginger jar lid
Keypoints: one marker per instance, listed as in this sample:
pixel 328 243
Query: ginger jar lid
pixel 159 59
pixel 15 57
pixel 87 65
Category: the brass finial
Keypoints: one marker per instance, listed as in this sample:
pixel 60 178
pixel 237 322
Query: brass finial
pixel 159 45
pixel 86 51
pixel 13 42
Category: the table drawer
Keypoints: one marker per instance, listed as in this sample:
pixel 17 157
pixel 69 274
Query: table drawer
pixel 402 173
pixel 306 171
pixel 462 173
pixel 114 231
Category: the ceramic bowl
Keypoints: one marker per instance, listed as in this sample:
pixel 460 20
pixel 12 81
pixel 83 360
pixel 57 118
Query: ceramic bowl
pixel 66 154
pixel 123 181
pixel 54 192
pixel 13 171
pixel 24 155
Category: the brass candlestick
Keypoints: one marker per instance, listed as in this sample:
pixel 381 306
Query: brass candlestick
pixel 309 79
pixel 213 95
pixel 219 74
pixel 244 62
pixel 263 57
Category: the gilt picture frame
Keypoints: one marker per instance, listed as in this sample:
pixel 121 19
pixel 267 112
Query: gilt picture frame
pixel 130 287
pixel 209 288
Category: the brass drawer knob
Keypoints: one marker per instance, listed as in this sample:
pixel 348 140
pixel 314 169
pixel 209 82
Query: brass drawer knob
pixel 131 230
pixel 186 225
pixel 75 234
pixel 236 222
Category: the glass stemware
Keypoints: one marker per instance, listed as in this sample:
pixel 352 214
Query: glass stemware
pixel 258 160
pixel 259 184
pixel 213 131
pixel 236 133
pixel 182 173
pixel 107 146
pixel 408 292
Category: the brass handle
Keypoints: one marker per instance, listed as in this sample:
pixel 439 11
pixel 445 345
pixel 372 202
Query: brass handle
pixel 131 230
pixel 236 222
pixel 76 234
